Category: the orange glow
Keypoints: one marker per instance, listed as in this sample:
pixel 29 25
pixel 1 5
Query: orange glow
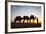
pixel 39 20
pixel 35 21
pixel 17 21
pixel 22 21
pixel 31 20
pixel 25 21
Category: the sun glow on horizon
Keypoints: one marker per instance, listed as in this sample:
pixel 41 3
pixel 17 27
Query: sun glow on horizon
pixel 22 20
pixel 30 21
pixel 39 20
pixel 35 21
pixel 25 21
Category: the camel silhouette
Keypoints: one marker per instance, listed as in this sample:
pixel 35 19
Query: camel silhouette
pixel 28 23
pixel 19 18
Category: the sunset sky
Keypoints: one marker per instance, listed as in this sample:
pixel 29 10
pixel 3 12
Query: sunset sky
pixel 17 10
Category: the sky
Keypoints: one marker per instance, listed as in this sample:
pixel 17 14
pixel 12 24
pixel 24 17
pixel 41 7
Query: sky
pixel 18 10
